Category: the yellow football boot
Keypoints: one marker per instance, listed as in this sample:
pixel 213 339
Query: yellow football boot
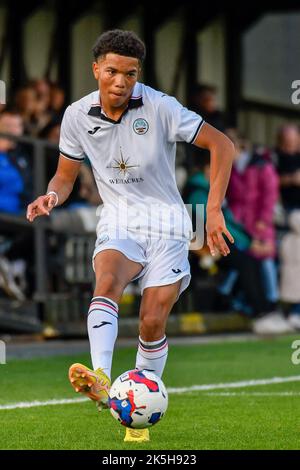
pixel 95 384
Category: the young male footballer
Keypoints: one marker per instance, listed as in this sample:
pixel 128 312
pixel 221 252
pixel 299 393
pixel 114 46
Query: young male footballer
pixel 129 131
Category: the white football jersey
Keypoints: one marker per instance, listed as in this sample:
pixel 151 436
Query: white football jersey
pixel 133 160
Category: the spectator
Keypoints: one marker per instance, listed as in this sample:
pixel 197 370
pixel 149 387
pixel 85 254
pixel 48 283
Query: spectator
pixel 252 195
pixel 239 260
pixel 57 101
pixel 204 102
pixel 15 192
pixel 33 102
pixel 287 155
pixel 25 103
pixel 290 269
pixel 51 132
pixel 12 164
pixel 42 114
pixel 43 90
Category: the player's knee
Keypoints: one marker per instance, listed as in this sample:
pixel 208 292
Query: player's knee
pixel 152 327
pixel 158 306
pixel 108 285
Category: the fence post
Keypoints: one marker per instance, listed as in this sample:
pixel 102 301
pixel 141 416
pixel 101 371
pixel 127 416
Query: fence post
pixel 40 223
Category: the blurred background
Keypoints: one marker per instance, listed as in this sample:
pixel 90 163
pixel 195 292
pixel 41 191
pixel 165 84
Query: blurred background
pixel 235 66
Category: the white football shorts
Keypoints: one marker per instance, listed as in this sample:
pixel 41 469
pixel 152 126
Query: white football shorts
pixel 164 261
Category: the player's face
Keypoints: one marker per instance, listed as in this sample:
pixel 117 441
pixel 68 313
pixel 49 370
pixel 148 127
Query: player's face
pixel 116 76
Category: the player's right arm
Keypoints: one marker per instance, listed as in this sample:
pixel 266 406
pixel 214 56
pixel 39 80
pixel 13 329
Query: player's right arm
pixel 61 184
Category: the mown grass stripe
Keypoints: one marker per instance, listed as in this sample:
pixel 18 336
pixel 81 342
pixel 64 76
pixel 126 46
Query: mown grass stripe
pixel 179 390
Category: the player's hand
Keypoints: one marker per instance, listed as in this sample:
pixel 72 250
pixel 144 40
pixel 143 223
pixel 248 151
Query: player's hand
pixel 215 228
pixel 43 205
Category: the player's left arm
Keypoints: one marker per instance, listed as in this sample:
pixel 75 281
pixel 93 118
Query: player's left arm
pixel 221 157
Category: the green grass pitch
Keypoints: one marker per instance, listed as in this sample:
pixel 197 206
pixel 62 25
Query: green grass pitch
pixel 256 417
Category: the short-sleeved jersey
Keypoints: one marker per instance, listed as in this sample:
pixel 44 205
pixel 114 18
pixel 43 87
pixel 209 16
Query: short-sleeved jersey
pixel 133 159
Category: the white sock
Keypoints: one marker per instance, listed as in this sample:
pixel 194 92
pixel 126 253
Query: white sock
pixel 152 355
pixel 102 326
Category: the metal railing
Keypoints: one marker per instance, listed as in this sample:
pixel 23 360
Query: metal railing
pixel 40 225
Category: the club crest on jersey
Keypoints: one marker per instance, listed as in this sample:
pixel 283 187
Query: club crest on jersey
pixel 140 126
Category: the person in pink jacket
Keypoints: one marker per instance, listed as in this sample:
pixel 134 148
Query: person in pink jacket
pixel 252 194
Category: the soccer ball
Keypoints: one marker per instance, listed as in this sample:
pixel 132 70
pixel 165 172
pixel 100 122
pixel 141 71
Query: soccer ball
pixel 138 399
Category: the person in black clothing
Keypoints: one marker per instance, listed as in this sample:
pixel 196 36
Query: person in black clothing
pixel 204 102
pixel 288 164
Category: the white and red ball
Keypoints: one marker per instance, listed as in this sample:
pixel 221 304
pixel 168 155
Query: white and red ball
pixel 138 399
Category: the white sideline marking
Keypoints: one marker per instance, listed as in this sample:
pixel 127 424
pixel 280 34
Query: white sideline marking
pixel 252 394
pixel 34 404
pixel 193 388
pixel 245 383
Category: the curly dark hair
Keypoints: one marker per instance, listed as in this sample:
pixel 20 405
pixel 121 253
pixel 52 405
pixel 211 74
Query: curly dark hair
pixel 125 43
